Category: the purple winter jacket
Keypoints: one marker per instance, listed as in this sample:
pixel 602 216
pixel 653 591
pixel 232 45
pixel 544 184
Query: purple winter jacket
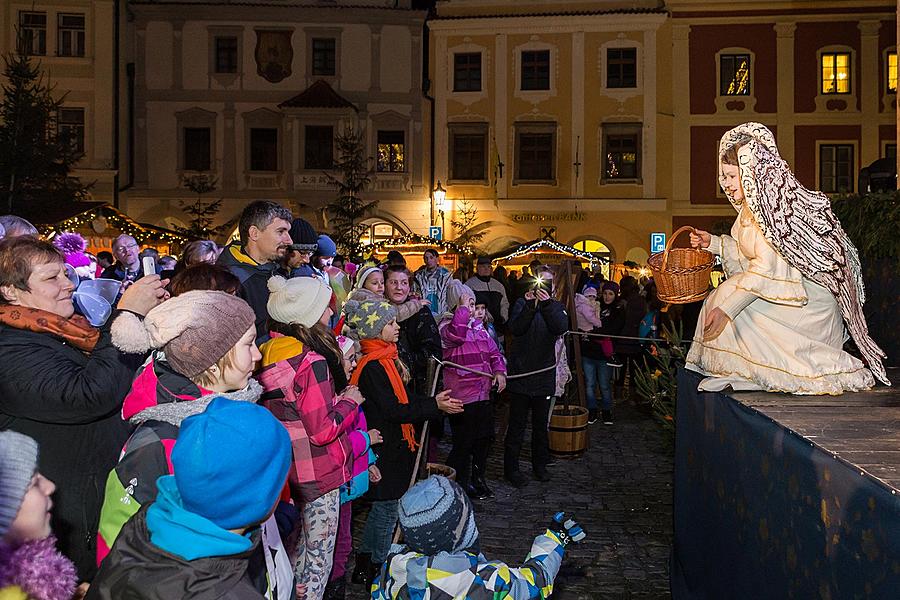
pixel 469 345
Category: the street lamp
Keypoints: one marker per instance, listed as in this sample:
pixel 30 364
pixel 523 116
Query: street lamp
pixel 440 198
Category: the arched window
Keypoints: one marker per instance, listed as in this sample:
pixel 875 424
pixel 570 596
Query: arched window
pixel 597 248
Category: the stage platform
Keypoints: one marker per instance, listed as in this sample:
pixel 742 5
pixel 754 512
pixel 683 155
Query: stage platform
pixel 780 496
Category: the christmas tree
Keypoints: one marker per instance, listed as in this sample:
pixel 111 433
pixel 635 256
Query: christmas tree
pixel 36 155
pixel 349 208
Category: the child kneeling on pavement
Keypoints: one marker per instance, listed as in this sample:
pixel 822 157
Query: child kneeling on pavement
pixel 199 538
pixel 440 557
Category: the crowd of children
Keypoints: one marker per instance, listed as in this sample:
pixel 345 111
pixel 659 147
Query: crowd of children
pixel 246 453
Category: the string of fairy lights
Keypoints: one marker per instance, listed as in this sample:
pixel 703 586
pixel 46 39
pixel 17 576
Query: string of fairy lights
pixel 413 240
pixel 115 220
pixel 556 246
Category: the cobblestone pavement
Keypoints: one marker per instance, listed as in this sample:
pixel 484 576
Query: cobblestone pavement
pixel 620 490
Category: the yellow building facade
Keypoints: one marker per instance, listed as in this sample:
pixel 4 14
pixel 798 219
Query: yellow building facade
pixel 75 43
pixel 550 120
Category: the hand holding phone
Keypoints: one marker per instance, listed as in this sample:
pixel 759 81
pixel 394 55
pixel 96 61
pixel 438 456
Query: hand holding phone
pixel 149 265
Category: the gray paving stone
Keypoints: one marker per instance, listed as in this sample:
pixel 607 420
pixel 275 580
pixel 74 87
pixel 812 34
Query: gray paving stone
pixel 620 490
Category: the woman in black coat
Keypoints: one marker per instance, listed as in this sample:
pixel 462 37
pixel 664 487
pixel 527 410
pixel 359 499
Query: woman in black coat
pixel 62 382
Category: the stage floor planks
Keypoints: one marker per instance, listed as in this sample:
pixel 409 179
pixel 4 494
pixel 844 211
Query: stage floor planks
pixel 862 428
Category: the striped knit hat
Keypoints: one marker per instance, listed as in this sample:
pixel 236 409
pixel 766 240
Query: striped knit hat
pixel 18 461
pixel 436 515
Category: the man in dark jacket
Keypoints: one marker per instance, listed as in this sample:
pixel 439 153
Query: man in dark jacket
pixel 491 291
pixel 128 265
pixel 230 465
pixel 265 237
pixel 536 321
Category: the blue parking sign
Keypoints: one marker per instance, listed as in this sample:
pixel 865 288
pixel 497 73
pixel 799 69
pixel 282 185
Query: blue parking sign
pixel 657 242
pixel 436 233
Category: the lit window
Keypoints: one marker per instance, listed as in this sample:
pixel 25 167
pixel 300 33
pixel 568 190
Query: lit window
pixel 622 151
pixel 836 168
pixel 892 72
pixel 836 73
pixel 734 75
pixel 391 152
pixel 71 35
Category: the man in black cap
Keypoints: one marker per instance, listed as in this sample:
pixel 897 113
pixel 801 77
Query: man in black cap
pixel 490 292
pixel 304 243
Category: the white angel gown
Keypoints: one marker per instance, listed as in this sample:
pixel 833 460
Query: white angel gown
pixel 786 332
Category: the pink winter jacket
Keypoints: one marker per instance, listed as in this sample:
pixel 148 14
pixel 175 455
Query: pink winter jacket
pixel 587 313
pixel 469 345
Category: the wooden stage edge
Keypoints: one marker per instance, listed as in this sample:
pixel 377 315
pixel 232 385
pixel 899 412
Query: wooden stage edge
pixel 861 428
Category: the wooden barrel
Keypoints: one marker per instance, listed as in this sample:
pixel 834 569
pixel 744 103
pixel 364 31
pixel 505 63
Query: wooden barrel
pixel 439 469
pixel 568 432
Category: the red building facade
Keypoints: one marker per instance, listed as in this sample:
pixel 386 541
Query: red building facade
pixel 821 75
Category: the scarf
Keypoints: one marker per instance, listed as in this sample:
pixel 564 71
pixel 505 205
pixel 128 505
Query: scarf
pixel 75 330
pixel 38 569
pixel 386 353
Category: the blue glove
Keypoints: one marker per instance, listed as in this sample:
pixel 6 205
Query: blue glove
pixel 567 530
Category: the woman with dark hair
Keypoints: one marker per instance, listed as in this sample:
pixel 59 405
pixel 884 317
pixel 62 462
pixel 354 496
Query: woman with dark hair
pixel 204 276
pixel 62 382
pixel 302 373
pixel 635 308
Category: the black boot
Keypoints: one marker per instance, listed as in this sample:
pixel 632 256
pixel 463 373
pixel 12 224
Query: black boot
pixel 336 590
pixel 374 571
pixel 480 484
pixel 362 567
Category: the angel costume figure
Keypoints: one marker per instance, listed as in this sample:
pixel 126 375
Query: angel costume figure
pixel 794 280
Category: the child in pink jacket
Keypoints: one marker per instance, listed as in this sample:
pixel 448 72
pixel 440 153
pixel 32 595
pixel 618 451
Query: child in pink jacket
pixel 362 471
pixel 467 342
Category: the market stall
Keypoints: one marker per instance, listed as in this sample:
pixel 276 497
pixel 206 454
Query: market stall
pixel 412 246
pixel 547 252
pixel 100 224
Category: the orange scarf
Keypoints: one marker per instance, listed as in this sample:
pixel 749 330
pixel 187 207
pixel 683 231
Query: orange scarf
pixel 75 330
pixel 386 353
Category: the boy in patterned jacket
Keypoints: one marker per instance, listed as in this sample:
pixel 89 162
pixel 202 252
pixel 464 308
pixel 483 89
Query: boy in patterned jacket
pixel 441 559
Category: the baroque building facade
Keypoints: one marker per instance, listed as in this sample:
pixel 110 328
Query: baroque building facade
pixel 76 44
pixel 547 119
pixel 254 97
pixel 821 75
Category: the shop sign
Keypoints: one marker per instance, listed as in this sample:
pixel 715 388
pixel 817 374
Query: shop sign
pixel 548 217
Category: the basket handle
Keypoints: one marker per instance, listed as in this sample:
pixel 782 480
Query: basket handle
pixel 672 239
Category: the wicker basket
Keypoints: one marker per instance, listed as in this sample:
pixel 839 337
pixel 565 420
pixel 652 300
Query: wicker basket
pixel 681 274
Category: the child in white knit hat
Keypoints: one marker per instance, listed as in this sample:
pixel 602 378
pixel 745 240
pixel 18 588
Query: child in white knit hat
pixel 306 389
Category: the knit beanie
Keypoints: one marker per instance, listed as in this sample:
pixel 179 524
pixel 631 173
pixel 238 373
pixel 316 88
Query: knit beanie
pixel 457 290
pixel 18 461
pixel 195 329
pixel 72 245
pixel 364 274
pixel 231 462
pixel 610 285
pixel 303 236
pixel 436 515
pixel 325 246
pixel 368 317
pixel 300 300
pixel 345 343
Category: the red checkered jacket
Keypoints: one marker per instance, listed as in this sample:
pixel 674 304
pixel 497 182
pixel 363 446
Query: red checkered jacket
pixel 300 393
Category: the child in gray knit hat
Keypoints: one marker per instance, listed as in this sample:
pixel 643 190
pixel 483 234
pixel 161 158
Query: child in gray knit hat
pixel 30 565
pixel 440 558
